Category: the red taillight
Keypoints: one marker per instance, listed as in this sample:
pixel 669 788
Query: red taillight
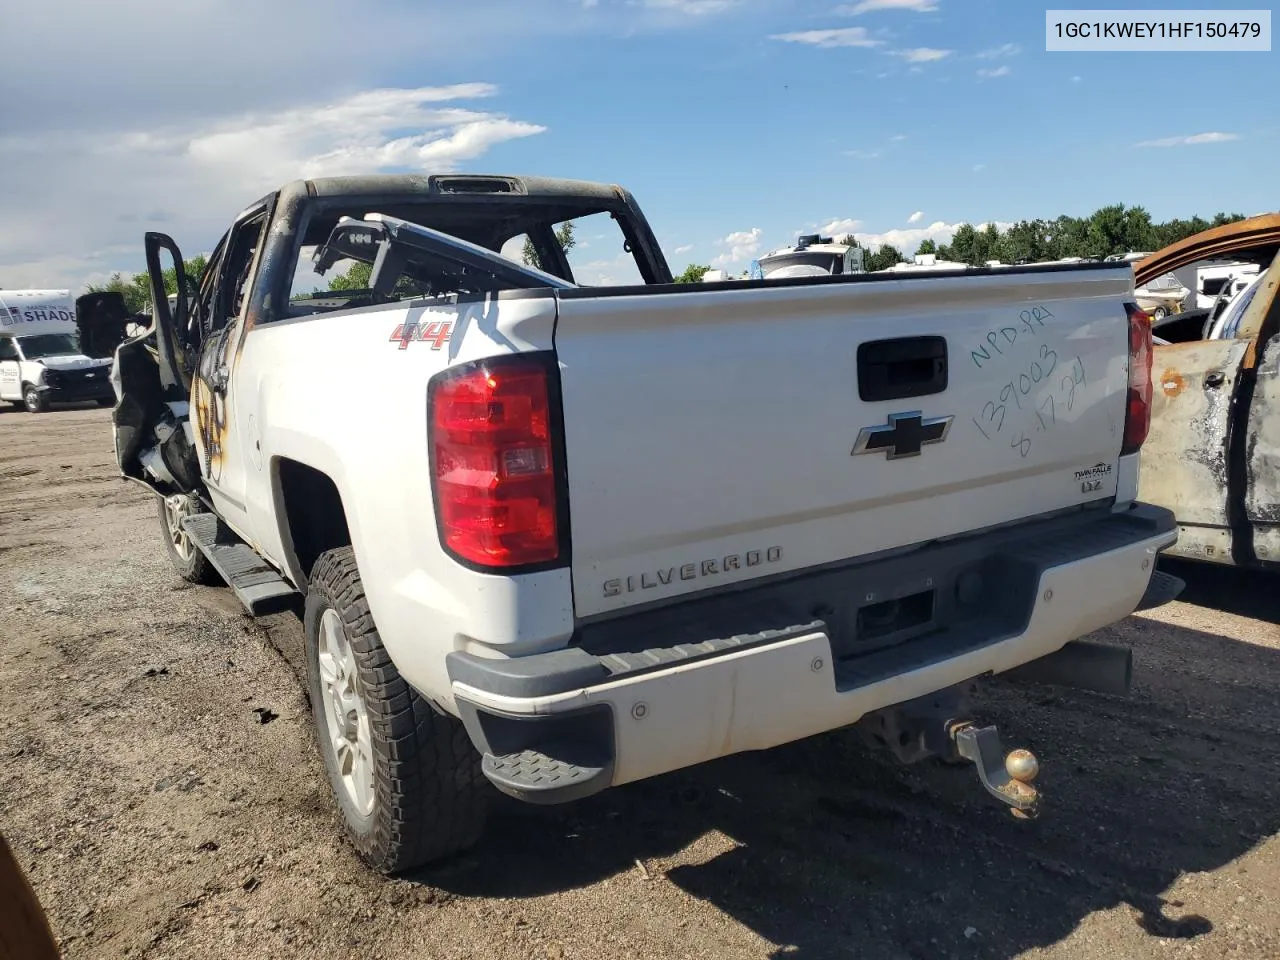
pixel 1137 411
pixel 494 462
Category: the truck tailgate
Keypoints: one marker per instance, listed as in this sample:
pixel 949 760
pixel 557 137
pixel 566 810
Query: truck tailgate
pixel 718 435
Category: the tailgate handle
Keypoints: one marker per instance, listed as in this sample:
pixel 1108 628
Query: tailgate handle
pixel 902 367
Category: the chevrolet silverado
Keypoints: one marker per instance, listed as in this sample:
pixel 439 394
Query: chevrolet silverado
pixel 553 532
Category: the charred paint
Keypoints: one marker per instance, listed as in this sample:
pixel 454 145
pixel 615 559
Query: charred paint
pixel 1262 456
pixel 211 426
pixel 1185 461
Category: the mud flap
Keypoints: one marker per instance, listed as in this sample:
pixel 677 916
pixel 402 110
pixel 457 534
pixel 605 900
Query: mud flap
pixel 1163 588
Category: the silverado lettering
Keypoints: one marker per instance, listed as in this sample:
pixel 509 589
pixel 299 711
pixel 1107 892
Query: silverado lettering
pixel 691 571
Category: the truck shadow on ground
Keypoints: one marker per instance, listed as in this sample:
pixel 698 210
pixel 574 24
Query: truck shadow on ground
pixel 825 849
pixel 1246 593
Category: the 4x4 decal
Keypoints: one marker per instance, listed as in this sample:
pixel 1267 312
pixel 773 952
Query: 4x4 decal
pixel 435 332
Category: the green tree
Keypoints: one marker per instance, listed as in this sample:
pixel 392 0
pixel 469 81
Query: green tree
pixel 692 273
pixel 963 247
pixel 564 236
pixel 193 268
pixel 356 277
pixel 136 289
pixel 1026 240
pixel 1105 234
pixel 1174 230
pixel 926 246
pixel 1139 231
pixel 988 246
pixel 883 259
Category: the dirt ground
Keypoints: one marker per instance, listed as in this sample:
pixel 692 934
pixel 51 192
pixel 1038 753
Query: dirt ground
pixel 160 786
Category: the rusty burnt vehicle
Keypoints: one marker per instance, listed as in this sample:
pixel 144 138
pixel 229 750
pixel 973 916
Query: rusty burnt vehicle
pixel 1213 453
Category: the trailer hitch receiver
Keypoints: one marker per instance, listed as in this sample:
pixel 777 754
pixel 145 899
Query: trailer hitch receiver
pixel 1007 778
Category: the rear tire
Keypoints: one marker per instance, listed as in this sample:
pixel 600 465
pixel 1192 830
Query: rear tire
pixel 406 778
pixel 34 400
pixel 189 563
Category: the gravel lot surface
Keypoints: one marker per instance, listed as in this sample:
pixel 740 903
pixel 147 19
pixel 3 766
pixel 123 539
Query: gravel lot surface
pixel 160 785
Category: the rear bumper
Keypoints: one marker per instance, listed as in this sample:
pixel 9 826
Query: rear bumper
pixel 657 692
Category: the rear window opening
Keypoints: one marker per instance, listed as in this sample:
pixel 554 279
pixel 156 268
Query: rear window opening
pixel 598 253
pixel 590 249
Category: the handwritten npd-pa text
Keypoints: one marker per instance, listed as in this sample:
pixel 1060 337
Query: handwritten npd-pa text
pixel 1042 384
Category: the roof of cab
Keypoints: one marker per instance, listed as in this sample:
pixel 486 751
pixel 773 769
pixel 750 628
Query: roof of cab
pixel 460 184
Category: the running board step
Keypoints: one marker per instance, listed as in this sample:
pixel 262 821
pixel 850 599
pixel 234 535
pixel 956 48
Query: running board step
pixel 1163 588
pixel 255 582
pixel 536 777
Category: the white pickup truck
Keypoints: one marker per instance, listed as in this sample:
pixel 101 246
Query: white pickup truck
pixel 567 537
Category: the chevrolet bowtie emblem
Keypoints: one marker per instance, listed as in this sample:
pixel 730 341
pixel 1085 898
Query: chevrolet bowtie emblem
pixel 903 435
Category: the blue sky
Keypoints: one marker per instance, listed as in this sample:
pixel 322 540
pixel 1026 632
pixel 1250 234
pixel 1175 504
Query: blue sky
pixel 743 119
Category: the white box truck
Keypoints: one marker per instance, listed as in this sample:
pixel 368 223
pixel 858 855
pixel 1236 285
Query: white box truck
pixel 40 357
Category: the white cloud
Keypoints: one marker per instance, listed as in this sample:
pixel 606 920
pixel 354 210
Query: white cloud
pixel 740 246
pixel 869 6
pixel 839 228
pixel 618 271
pixel 1076 79
pixel 684 248
pixel 922 54
pixel 908 240
pixel 863 154
pixel 839 37
pixel 1004 50
pixel 352 135
pixel 997 72
pixel 211 168
pixel 979 167
pixel 898 137
pixel 916 217
pixel 1187 141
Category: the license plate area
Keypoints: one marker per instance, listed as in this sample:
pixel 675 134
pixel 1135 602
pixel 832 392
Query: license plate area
pixel 891 620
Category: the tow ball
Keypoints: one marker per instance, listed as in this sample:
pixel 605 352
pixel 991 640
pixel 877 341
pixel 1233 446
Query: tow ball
pixel 938 726
pixel 1008 778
